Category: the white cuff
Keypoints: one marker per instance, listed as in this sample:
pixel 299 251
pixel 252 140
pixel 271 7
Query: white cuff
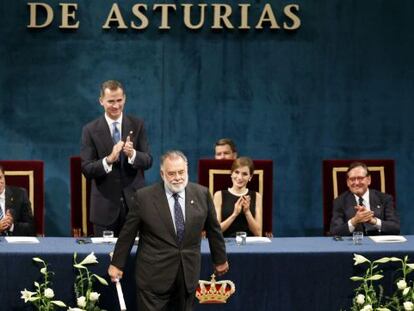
pixel 107 167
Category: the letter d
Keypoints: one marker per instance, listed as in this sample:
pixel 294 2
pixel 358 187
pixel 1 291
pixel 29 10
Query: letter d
pixel 33 15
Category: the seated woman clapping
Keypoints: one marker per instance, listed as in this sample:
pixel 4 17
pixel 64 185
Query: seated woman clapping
pixel 238 208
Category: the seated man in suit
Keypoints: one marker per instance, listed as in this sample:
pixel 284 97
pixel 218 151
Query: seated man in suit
pixel 15 210
pixel 225 149
pixel 363 209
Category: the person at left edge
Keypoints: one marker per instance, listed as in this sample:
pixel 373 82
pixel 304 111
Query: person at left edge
pixel 116 168
pixel 16 217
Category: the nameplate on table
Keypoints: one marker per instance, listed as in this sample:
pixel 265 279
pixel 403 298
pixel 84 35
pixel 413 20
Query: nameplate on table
pixel 257 240
pixel 21 239
pixel 388 239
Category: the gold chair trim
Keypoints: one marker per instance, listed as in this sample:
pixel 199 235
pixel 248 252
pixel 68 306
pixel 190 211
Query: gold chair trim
pixel 213 172
pixel 336 170
pixel 30 174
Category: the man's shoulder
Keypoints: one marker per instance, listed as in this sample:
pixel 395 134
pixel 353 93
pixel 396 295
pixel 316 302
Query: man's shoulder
pixel 379 194
pixel 343 195
pixel 95 122
pixel 151 189
pixel 133 118
pixel 197 187
pixel 15 190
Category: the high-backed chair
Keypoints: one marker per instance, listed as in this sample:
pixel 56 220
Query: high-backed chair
pixel 29 175
pixel 80 189
pixel 215 175
pixel 334 181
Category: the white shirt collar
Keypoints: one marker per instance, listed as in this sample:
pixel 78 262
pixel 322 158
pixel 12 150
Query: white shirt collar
pixel 110 121
pixel 3 194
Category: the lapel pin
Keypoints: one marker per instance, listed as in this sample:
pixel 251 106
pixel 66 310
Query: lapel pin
pixel 191 202
pixel 378 206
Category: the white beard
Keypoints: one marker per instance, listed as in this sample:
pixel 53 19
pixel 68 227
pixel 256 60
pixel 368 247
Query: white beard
pixel 176 188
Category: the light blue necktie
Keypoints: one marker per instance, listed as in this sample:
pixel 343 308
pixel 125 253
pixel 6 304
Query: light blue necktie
pixel 179 219
pixel 116 135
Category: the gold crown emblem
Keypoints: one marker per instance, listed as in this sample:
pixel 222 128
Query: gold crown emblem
pixel 214 291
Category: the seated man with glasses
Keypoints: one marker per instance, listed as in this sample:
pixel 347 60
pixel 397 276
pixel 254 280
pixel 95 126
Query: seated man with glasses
pixel 363 209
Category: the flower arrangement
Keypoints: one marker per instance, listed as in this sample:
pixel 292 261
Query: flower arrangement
pixel 369 296
pixel 42 297
pixel 86 298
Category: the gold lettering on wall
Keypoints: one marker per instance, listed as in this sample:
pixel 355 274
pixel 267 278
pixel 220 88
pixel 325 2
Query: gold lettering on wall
pixel 244 16
pixel 164 14
pixel 68 14
pixel 140 15
pixel 293 17
pixel 33 22
pixel 267 16
pixel 187 16
pixel 221 16
pixel 115 16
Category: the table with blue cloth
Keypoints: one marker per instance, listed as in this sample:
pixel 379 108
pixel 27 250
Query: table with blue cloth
pixel 287 274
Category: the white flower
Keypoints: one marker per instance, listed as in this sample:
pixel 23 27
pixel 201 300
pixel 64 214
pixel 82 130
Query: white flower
pixel 406 290
pixel 408 306
pixel 75 309
pixel 367 308
pixel 359 259
pixel 360 299
pixel 26 295
pixel 43 271
pixel 383 309
pixel 81 301
pixel 59 303
pixel 410 265
pixel 49 293
pixel 94 296
pixel 401 284
pixel 91 258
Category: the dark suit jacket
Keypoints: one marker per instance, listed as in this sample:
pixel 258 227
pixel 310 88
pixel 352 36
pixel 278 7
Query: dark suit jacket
pixel 158 255
pixel 107 189
pixel 381 204
pixel 19 205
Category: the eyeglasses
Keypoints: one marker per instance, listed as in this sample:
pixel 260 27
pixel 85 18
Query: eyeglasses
pixel 356 178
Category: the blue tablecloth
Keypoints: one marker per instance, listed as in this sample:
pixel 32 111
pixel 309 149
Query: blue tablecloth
pixel 287 274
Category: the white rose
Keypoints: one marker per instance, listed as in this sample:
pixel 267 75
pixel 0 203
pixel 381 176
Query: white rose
pixel 81 301
pixel 408 306
pixel 75 309
pixel 49 293
pixel 360 299
pixel 94 296
pixel 401 284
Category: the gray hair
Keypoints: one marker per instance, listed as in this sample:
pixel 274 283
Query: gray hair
pixel 172 154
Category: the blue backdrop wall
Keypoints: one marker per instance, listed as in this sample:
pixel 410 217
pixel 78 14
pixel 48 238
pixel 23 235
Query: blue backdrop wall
pixel 341 86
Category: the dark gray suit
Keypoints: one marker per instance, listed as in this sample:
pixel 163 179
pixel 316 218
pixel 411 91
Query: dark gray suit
pixel 17 202
pixel 109 189
pixel 381 204
pixel 159 257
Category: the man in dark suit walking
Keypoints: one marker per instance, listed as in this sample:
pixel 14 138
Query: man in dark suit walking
pixel 362 208
pixel 169 217
pixel 16 217
pixel 114 154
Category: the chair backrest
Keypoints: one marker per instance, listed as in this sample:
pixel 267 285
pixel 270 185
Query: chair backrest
pixel 215 175
pixel 80 189
pixel 334 181
pixel 29 175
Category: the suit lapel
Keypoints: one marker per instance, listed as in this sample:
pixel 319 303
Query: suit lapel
pixel 374 204
pixel 104 135
pixel 9 199
pixel 161 204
